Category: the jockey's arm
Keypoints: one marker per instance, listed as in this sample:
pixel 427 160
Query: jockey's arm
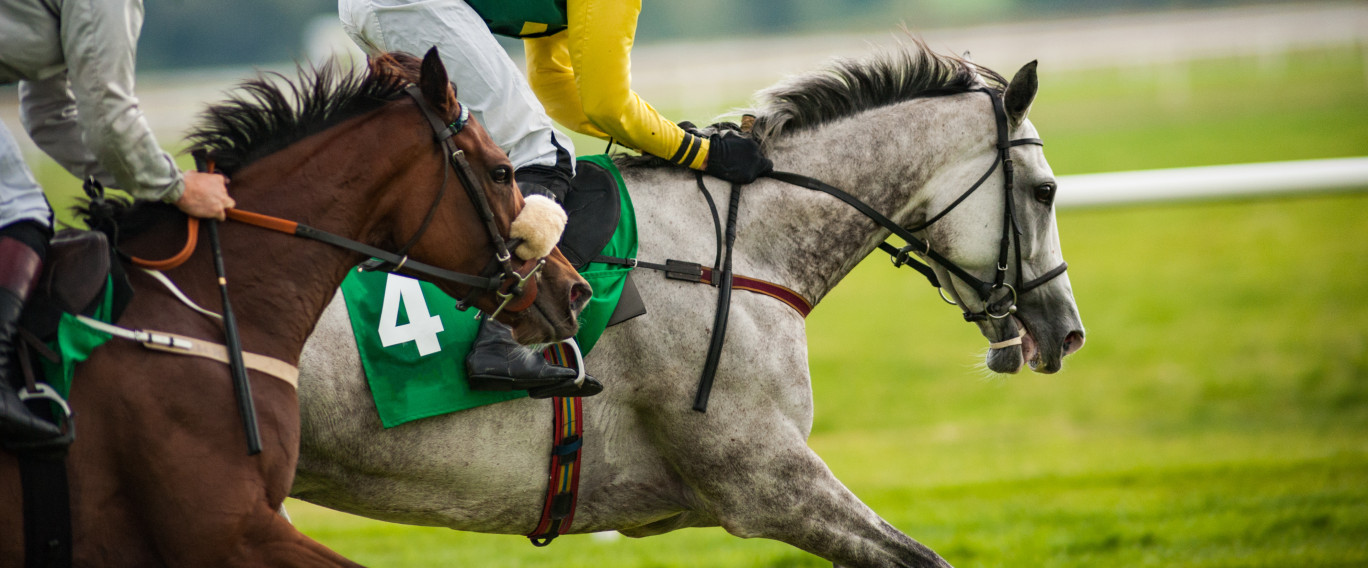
pixel 99 40
pixel 89 119
pixel 553 80
pixel 582 76
pixel 48 112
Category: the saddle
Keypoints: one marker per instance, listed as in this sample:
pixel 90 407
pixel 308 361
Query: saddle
pixel 594 208
pixel 79 266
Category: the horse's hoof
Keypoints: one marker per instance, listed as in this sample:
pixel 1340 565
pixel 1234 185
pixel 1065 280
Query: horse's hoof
pixel 568 388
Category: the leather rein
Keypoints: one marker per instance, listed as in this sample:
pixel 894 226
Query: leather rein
pixel 502 277
pixel 901 256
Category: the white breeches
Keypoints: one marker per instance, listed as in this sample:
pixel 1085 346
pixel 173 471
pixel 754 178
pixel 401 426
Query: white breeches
pixel 20 197
pixel 487 81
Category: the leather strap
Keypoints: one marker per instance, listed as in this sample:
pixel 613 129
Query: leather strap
pixel 217 352
pixel 694 272
pixel 567 443
pixel 403 263
pixel 183 345
pixel 191 239
pixel 788 297
pixel 724 288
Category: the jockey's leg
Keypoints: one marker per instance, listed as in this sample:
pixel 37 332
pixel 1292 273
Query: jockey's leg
pixel 498 363
pixel 25 227
pixel 488 82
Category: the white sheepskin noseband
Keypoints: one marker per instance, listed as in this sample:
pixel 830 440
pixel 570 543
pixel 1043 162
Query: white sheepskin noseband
pixel 539 225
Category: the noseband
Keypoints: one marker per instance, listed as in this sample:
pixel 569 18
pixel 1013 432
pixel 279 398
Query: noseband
pixel 903 256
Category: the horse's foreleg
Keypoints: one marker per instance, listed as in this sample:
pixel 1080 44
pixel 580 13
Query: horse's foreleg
pixel 796 499
pixel 277 543
pixel 783 491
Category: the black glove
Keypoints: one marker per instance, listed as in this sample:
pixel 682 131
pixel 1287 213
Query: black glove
pixel 736 158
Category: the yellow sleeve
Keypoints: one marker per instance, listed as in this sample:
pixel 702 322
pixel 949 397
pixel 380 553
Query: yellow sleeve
pixel 600 38
pixel 553 81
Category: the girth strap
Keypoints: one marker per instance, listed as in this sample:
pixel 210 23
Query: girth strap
pixel 567 444
pixel 183 345
pixel 694 272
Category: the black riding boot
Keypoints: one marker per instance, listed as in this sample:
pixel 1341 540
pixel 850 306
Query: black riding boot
pixel 20 266
pixel 497 363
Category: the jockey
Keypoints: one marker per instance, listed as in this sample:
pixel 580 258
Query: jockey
pixel 74 65
pixel 578 65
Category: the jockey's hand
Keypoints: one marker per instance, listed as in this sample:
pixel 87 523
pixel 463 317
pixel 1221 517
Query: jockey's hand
pixel 206 195
pixel 735 158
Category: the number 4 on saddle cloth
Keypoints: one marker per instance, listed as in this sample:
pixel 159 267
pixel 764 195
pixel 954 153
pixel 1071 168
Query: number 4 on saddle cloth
pixel 413 341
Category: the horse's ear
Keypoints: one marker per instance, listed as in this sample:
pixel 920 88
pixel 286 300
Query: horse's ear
pixel 433 82
pixel 1021 93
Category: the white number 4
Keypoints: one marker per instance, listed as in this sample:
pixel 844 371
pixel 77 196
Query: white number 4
pixel 422 327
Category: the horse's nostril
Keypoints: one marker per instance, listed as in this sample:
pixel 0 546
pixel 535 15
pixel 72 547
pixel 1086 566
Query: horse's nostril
pixel 1073 342
pixel 580 294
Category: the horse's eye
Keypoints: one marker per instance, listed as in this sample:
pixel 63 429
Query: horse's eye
pixel 501 174
pixel 1045 193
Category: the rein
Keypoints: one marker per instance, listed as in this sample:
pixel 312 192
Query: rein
pixel 1010 227
pixel 900 256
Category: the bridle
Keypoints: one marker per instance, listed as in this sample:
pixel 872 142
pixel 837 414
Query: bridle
pixel 502 277
pixel 902 256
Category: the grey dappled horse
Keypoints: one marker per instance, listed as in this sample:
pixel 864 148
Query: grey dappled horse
pixel 906 133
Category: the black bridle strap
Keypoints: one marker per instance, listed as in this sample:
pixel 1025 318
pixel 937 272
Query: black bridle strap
pixel 900 255
pixel 402 263
pixel 513 283
pixel 1043 278
pixel 445 134
pixel 916 244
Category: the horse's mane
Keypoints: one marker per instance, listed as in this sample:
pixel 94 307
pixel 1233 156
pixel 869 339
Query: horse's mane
pixel 847 87
pixel 262 116
pixel 266 114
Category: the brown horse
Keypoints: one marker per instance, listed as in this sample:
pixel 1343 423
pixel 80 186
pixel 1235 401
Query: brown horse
pixel 159 474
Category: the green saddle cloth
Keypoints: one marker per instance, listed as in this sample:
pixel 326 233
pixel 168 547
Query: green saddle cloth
pixel 413 341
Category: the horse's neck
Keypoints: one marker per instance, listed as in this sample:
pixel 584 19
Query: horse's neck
pixel 887 158
pixel 280 283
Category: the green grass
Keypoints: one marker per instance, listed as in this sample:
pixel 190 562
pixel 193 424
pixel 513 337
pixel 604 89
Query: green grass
pixel 1218 415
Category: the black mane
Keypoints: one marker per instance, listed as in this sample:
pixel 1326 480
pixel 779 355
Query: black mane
pixel 264 115
pixel 847 87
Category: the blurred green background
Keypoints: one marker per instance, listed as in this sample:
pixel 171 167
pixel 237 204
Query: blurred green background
pixel 1218 415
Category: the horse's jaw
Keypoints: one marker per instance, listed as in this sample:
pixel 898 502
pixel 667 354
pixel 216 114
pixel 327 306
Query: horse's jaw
pixel 1008 359
pixel 1048 334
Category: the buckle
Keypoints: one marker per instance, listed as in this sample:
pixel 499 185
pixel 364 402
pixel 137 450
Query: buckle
pixel 681 270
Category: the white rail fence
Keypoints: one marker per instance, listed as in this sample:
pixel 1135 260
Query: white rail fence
pixel 1213 182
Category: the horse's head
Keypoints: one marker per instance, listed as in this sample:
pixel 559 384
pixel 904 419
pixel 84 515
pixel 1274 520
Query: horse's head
pixel 478 177
pixel 1007 241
